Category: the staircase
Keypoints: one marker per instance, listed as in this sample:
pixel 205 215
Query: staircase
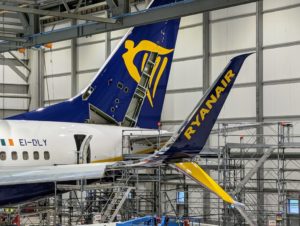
pixel 115 203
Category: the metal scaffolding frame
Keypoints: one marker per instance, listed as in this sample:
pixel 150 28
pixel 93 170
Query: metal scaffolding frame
pixel 134 192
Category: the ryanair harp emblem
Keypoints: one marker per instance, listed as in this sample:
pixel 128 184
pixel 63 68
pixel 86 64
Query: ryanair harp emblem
pixel 161 60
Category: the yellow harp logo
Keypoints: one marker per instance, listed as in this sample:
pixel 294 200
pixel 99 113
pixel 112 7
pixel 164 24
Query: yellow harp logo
pixel 147 47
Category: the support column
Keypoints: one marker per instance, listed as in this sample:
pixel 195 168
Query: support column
pixel 259 108
pixel 206 85
pixel 74 78
pixel 31 25
pixel 41 78
pixel 107 42
pixel 35 79
pixel 206 50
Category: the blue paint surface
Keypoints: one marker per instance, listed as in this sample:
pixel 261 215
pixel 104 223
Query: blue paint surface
pixel 105 86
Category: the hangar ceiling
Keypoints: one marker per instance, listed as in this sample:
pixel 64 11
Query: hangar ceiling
pixel 20 20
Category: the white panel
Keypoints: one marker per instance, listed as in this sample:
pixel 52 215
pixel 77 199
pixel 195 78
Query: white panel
pixel 91 56
pixel 189 42
pixel 84 79
pixel 233 11
pixel 57 87
pixel 177 106
pixel 114 44
pixel 18 54
pixel 13 103
pixel 7 75
pixel 233 34
pixel 282 26
pixel 186 74
pixel 281 100
pixel 61 44
pixel 240 103
pixel 273 4
pixel 92 38
pixel 281 63
pixel 247 72
pixel 118 33
pixel 190 20
pixel 57 62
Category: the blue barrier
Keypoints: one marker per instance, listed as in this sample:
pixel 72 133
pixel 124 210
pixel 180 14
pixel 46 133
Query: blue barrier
pixel 147 220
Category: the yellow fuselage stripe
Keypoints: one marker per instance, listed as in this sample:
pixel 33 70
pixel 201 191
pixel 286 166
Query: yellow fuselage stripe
pixel 120 158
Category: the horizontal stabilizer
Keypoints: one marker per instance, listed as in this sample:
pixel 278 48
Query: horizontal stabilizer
pixel 196 173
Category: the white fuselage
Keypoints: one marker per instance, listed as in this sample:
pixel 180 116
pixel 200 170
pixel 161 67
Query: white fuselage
pixel 38 143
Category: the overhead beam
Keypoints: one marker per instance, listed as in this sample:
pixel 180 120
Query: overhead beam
pixel 15 39
pixel 8 30
pixel 56 14
pixel 180 9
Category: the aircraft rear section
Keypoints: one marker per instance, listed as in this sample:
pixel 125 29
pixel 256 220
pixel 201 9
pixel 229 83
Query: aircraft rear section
pixel 248 170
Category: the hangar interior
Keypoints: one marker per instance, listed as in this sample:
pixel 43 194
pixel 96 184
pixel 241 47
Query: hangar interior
pixel 254 150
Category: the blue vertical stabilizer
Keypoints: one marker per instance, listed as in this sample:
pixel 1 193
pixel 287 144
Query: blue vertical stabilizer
pixel 108 96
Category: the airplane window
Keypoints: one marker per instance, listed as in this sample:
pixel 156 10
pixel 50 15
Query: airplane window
pixel 36 155
pixel 2 155
pixel 46 155
pixel 25 155
pixel 14 155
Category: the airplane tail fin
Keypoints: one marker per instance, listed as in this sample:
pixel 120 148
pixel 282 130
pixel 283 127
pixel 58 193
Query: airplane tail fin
pixel 191 137
pixel 130 87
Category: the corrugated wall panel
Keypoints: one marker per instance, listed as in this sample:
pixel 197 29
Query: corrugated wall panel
pixel 273 4
pixel 119 33
pixel 191 20
pixel 90 56
pixel 57 88
pixel 186 74
pixel 177 106
pixel 7 75
pixel 282 63
pixel 58 62
pixel 282 26
pixel 282 100
pixel 186 36
pixel 233 34
pixel 233 11
pixel 247 72
pixel 14 103
pixel 61 44
pixel 84 79
pixel 240 103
